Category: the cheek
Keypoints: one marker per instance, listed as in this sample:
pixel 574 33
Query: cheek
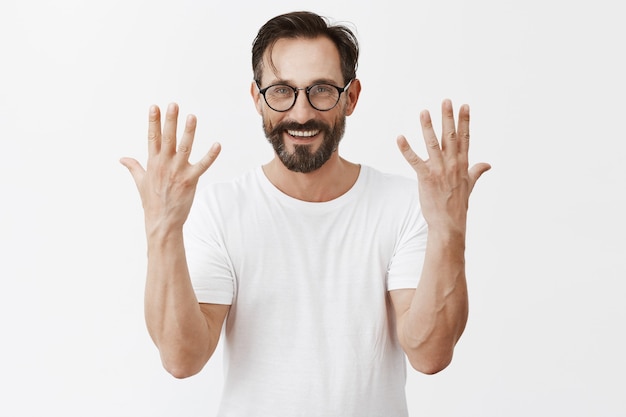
pixel 268 122
pixel 339 116
pixel 336 114
pixel 271 118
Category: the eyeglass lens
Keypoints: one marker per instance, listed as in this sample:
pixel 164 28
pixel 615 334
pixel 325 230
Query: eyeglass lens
pixel 283 97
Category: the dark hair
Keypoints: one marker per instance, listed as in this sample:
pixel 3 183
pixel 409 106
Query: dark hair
pixel 306 25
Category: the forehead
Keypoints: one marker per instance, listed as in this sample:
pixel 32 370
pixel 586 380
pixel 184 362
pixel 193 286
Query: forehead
pixel 301 61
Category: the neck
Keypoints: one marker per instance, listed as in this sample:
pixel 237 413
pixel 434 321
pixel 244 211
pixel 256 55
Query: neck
pixel 330 181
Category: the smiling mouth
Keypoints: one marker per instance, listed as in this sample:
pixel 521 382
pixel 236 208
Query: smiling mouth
pixel 303 133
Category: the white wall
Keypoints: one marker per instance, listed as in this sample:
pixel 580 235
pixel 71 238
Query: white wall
pixel 546 252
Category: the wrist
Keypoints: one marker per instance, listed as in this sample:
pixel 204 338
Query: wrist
pixel 447 236
pixel 159 235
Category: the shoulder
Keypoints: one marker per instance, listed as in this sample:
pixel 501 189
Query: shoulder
pixel 389 196
pixel 228 196
pixel 243 184
pixel 384 183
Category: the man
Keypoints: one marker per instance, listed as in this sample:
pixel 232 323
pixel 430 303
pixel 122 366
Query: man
pixel 324 273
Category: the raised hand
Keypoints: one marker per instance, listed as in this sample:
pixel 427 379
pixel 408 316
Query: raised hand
pixel 167 186
pixel 445 183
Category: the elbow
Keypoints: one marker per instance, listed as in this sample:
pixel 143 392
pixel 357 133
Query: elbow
pixel 180 374
pixel 180 367
pixel 429 368
pixel 431 355
pixel 183 362
pixel 180 371
pixel 430 364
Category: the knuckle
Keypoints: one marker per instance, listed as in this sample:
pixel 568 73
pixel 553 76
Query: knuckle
pixel 203 165
pixel 180 181
pixel 185 182
pixel 433 144
pixel 412 159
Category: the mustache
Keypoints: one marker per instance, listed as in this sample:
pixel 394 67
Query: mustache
pixel 292 125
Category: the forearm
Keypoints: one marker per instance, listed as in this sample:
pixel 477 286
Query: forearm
pixel 437 313
pixel 431 318
pixel 173 316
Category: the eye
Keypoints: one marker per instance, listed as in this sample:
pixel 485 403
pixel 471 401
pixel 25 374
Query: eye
pixel 323 89
pixel 281 90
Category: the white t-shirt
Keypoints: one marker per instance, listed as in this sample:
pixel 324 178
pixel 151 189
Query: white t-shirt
pixel 310 330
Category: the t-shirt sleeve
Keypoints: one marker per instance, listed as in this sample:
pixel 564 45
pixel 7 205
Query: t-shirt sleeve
pixel 407 262
pixel 209 266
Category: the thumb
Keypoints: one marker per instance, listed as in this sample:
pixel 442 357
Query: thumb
pixel 135 169
pixel 477 170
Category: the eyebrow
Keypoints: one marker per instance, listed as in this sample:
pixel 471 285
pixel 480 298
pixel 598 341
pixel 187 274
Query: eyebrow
pixel 316 81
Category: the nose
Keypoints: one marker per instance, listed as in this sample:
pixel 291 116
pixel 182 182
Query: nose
pixel 302 111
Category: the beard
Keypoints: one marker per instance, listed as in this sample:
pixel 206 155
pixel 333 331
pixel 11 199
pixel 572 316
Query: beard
pixel 303 158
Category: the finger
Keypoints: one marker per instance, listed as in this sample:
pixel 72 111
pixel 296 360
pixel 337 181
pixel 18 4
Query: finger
pixel 430 138
pixel 208 159
pixel 476 171
pixel 186 142
pixel 135 168
pixel 448 129
pixel 411 157
pixel 168 141
pixel 154 130
pixel 463 133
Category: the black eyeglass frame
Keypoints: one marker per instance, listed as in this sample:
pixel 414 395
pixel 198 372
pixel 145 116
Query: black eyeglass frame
pixel 296 90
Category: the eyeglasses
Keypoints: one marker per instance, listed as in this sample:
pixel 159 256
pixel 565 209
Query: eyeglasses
pixel 282 97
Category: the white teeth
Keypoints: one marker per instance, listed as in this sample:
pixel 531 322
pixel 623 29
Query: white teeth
pixel 303 133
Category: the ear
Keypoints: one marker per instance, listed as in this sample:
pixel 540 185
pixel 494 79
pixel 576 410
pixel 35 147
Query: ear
pixel 352 96
pixel 256 97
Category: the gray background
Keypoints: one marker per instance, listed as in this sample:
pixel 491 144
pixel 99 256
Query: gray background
pixel 546 257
